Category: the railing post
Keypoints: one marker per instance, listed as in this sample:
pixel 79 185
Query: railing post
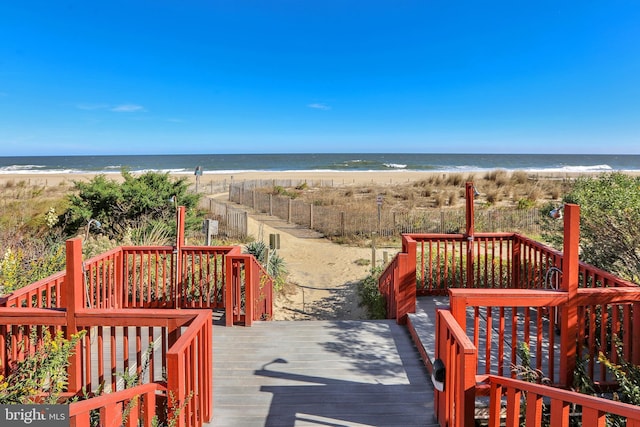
pixel 120 279
pixel 406 286
pixel 569 312
pixel 470 224
pixel 177 288
pixel 229 284
pixel 515 263
pixel 249 298
pixel 175 389
pixel 73 302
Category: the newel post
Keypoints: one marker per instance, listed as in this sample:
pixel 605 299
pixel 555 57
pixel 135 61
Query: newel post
pixel 406 287
pixel 72 301
pixel 569 311
pixel 470 224
pixel 177 288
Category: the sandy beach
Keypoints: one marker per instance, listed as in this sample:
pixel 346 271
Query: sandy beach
pixel 337 177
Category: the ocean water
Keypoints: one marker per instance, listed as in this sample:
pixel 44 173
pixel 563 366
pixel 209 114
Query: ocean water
pixel 226 163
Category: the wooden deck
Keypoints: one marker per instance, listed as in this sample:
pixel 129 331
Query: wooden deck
pixel 319 373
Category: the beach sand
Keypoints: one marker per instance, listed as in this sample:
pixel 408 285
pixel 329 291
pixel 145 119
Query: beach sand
pixel 338 178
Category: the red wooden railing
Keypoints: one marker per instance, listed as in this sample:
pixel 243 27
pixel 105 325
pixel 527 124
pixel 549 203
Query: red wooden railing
pixel 515 290
pixel 44 293
pixel 190 394
pixel 116 345
pixel 204 276
pixel 456 404
pixel 603 313
pixel 530 398
pixel 120 298
pixel 249 296
pixel 144 277
pixel 388 286
pixel 502 320
pixel 136 404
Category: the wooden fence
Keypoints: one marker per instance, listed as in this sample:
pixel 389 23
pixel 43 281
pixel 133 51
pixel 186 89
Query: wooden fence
pixel 232 221
pixel 365 221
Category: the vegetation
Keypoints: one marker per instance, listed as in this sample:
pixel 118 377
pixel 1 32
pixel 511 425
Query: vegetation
pixel 609 223
pixel 140 204
pixel 42 376
pixel 275 265
pixel 370 296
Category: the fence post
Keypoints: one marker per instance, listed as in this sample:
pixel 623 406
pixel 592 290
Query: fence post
pixel 73 302
pixel 270 204
pixel 569 284
pixel 311 216
pixel 288 210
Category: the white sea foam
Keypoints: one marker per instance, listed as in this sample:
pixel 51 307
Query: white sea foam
pixel 395 165
pixel 18 168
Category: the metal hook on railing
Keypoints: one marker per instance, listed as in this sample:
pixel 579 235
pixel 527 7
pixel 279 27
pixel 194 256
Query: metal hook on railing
pixel 549 276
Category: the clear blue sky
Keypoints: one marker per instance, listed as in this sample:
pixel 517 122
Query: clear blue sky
pixel 233 76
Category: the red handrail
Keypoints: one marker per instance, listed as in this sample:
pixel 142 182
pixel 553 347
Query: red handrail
pixel 190 388
pixel 139 404
pixel 593 413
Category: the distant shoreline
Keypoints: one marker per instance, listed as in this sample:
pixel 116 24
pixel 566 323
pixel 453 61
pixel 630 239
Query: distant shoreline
pixel 339 178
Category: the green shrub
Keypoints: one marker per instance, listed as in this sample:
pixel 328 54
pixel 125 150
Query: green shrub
pixel 370 296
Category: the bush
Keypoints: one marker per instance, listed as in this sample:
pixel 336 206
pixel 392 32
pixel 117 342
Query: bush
pixel 609 223
pixel 142 201
pixel 370 296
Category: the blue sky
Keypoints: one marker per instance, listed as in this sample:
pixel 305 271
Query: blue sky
pixel 233 76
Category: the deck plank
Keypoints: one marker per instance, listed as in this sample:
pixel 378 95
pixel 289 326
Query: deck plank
pixel 319 373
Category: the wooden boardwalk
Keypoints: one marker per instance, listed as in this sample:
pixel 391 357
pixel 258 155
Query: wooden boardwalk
pixel 319 373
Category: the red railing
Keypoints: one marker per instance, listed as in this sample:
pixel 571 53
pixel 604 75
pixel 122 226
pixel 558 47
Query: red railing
pixel 602 314
pixel 137 405
pixel 525 405
pixel 44 293
pixel 388 286
pixel 144 277
pixel 500 321
pixel 397 284
pixel 203 276
pixel 489 260
pixel 455 405
pixel 119 347
pixel 125 344
pixel 22 332
pixel 249 283
pixel 512 402
pixel 190 396
pixel 103 280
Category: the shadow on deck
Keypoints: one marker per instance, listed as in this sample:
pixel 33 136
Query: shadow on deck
pixel 319 373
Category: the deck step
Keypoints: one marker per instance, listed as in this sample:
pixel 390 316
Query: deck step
pixel 319 373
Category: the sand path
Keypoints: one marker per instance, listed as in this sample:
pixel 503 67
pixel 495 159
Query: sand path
pixel 323 275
